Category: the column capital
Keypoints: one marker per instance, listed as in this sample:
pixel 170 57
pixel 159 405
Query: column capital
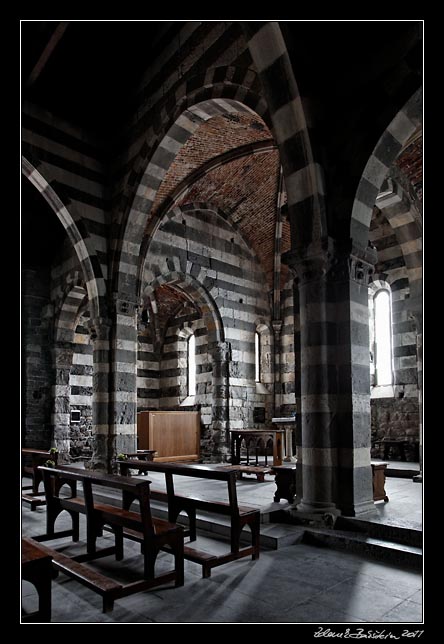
pixel 99 328
pixel 124 305
pixel 277 327
pixel 220 351
pixel 338 260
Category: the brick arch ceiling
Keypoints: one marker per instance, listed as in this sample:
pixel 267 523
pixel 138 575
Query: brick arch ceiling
pixel 245 188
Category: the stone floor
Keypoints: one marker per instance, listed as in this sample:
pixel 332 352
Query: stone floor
pixel 295 584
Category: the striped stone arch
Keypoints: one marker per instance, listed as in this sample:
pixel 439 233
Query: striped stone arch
pixel 67 315
pixel 93 279
pixel 178 210
pixel 200 296
pixel 154 160
pixel 387 149
pixel 300 160
pixel 379 283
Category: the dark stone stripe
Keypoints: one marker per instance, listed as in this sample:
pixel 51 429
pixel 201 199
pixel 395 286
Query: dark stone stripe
pixel 251 28
pixel 399 284
pixel 319 333
pixel 81 370
pixel 387 148
pixel 390 264
pixel 403 327
pixel 63 163
pixel 147 373
pixel 80 195
pixel 407 350
pixel 324 428
pixel 198 235
pixel 81 391
pixel 148 393
pixel 59 136
pixel 279 91
pixel 318 379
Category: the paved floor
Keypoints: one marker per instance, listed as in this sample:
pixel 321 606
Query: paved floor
pixel 295 584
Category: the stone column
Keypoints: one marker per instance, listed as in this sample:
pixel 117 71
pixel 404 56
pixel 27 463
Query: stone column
pixel 349 277
pixel 277 328
pixel 335 387
pixel 114 384
pixel 418 319
pixel 221 356
pixel 100 330
pixel 62 353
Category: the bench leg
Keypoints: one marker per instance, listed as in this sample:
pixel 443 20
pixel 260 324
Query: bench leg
pixel 206 571
pixel 107 604
pixel 179 561
pixel 118 535
pixel 149 556
pixel 255 528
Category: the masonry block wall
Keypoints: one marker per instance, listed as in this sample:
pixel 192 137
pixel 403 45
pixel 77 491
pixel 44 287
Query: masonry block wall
pixel 147 368
pixel 210 250
pixel 36 357
pixel 288 364
pixel 81 387
pixel 394 409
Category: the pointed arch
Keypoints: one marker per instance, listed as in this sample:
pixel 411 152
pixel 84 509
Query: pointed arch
pixel 94 283
pixel 387 149
pixel 154 162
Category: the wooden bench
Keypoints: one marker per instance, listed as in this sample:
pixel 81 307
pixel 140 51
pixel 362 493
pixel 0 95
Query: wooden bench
pixel 239 516
pixel 155 534
pixel 31 459
pixel 143 455
pixel 256 470
pixel 37 569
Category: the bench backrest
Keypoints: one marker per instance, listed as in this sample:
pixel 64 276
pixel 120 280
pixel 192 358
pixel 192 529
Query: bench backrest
pixel 191 470
pixel 132 489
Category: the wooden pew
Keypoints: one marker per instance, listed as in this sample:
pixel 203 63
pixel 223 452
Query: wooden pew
pixel 31 459
pixel 239 516
pixel 37 569
pixel 155 533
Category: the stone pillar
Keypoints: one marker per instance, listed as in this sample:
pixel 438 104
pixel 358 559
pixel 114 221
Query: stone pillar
pixel 100 330
pixel 335 387
pixel 221 356
pixel 114 384
pixel 277 328
pixel 349 277
pixel 418 319
pixel 62 353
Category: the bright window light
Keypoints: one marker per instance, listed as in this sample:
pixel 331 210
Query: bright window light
pixel 192 365
pixel 257 357
pixel 383 339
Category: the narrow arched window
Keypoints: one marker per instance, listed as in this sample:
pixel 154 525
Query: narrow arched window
pixel 191 355
pixel 383 338
pixel 257 356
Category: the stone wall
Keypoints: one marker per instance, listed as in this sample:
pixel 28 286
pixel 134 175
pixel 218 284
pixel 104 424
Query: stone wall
pixel 81 387
pixel 36 359
pixel 397 418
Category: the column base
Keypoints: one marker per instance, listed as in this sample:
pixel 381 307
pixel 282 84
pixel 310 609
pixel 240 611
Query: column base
pixel 317 508
pixel 367 507
pixel 289 459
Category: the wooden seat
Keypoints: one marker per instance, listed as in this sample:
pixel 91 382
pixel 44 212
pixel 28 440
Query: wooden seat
pixel 239 516
pixel 37 569
pixel 31 459
pixel 154 533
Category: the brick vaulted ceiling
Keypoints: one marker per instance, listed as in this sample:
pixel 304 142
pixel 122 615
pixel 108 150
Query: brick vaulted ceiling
pixel 244 188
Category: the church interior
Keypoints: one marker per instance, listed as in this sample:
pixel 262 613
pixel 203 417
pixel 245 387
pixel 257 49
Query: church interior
pixel 222 310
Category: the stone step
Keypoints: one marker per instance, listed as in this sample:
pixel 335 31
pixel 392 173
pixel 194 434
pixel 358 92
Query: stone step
pixel 407 536
pixel 383 550
pixel 273 535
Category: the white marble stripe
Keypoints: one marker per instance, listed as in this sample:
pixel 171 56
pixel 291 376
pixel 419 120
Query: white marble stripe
pixel 126 320
pixel 289 119
pixel 267 45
